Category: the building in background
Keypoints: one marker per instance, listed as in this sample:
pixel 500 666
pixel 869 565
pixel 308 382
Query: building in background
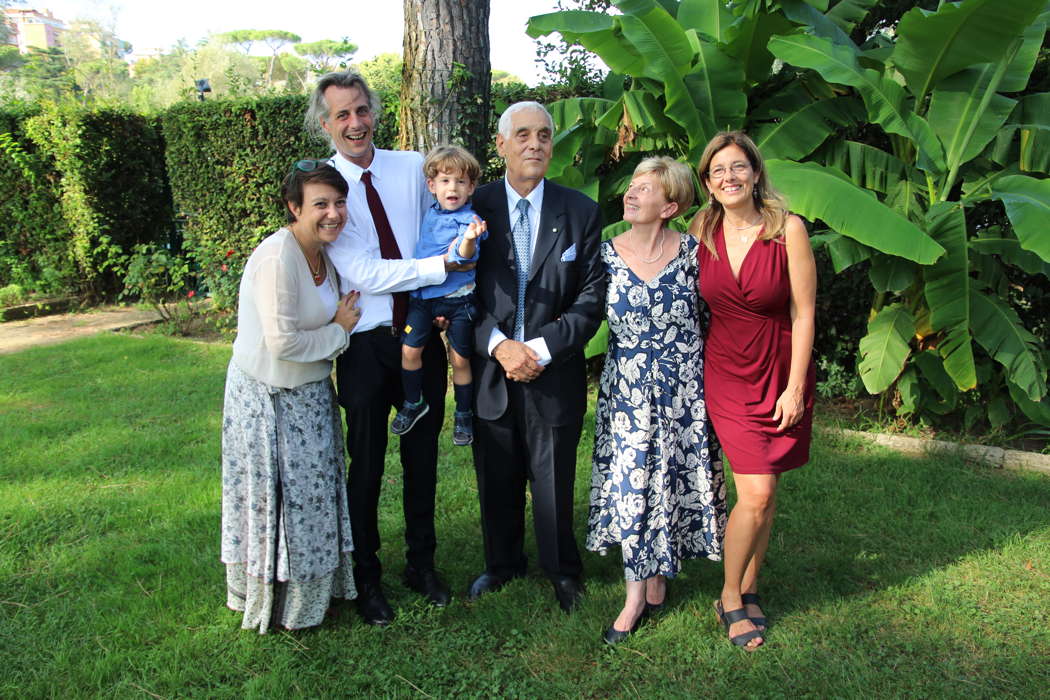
pixel 33 29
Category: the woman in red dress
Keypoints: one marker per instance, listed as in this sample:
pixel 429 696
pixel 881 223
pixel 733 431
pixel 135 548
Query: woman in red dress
pixel 758 277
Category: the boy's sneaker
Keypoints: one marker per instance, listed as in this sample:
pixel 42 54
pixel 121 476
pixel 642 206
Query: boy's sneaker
pixel 463 429
pixel 408 416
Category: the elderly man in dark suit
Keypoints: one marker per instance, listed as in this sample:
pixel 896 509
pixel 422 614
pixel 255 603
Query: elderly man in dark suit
pixel 540 297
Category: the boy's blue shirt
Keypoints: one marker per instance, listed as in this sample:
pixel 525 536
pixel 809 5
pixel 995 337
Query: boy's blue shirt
pixel 436 233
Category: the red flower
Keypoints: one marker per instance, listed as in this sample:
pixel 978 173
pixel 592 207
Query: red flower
pixel 223 267
pixel 229 252
pixel 191 294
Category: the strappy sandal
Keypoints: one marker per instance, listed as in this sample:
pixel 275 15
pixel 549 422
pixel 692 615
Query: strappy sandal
pixel 753 599
pixel 730 617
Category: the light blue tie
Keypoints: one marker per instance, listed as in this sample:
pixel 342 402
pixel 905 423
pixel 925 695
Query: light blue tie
pixel 522 233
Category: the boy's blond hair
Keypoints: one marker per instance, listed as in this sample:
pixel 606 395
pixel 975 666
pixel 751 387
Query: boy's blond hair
pixel 448 159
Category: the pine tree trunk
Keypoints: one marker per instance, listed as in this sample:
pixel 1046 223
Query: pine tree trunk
pixel 446 78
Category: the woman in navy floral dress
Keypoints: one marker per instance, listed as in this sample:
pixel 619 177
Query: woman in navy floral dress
pixel 657 488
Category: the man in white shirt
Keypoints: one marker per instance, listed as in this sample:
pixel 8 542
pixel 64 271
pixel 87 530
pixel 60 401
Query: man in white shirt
pixel 385 204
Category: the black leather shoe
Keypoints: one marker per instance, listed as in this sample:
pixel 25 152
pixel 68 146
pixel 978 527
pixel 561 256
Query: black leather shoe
pixel 372 605
pixel 427 583
pixel 568 591
pixel 485 583
pixel 614 636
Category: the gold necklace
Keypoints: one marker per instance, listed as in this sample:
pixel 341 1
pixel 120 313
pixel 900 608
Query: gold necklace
pixel 316 272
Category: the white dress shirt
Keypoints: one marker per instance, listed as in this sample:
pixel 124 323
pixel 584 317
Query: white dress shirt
pixel 398 178
pixel 535 199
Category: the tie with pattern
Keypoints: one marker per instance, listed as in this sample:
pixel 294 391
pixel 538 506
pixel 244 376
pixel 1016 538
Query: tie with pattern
pixel 388 247
pixel 522 233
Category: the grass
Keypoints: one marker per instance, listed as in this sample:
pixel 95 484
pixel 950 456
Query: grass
pixel 887 576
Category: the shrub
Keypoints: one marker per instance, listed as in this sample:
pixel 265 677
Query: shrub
pixel 33 235
pixel 161 279
pixel 113 188
pixel 11 294
pixel 226 161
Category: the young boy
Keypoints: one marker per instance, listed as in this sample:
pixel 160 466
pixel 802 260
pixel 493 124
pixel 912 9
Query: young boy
pixel 449 225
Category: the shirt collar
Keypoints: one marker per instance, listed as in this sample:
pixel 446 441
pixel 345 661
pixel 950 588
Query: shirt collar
pixel 535 198
pixel 352 171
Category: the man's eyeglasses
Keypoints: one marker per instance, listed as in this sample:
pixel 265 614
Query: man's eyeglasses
pixel 719 172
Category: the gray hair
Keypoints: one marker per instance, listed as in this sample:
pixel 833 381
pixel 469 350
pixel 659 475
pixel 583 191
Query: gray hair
pixel 318 107
pixel 508 113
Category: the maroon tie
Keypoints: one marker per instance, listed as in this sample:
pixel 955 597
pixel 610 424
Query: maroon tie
pixel 388 247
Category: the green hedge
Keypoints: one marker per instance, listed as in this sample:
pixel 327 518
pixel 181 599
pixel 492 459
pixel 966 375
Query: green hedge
pixel 113 188
pixel 33 234
pixel 226 161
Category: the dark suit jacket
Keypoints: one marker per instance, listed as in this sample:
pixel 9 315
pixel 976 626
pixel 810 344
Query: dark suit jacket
pixel 565 299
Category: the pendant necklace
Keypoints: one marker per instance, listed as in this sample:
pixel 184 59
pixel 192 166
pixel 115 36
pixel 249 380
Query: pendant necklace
pixel 316 272
pixel 744 238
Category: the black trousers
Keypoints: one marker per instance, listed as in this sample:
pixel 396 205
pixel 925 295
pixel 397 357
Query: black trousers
pixel 368 374
pixel 509 451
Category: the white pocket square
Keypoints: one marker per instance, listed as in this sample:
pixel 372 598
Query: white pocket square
pixel 570 254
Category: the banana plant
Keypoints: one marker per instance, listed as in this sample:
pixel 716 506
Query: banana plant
pixel 896 150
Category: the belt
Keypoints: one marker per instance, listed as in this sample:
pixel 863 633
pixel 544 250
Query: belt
pixel 384 331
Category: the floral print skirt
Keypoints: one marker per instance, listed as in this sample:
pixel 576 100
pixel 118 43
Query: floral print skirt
pixel 286 538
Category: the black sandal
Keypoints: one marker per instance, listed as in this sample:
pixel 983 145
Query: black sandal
pixel 753 599
pixel 730 617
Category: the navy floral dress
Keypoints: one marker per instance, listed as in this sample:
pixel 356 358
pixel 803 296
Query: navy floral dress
pixel 657 487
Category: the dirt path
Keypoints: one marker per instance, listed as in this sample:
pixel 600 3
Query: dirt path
pixel 47 330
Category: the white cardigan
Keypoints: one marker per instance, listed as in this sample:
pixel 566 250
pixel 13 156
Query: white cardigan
pixel 285 334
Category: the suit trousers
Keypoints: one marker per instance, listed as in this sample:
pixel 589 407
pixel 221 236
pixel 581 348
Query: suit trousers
pixel 368 375
pixel 513 449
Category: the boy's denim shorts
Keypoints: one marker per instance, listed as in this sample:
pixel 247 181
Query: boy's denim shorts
pixel 460 312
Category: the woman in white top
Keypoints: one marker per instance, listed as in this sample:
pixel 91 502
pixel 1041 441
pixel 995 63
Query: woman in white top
pixel 286 539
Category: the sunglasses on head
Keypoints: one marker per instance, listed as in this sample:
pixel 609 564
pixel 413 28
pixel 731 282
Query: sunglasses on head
pixel 308 165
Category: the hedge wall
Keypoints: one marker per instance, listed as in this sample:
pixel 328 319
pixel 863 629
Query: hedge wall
pixel 226 161
pixel 79 190
pixel 33 235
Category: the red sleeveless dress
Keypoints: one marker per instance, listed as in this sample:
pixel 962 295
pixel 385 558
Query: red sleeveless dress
pixel 747 358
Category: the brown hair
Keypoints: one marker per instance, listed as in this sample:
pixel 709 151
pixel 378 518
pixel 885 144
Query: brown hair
pixel 675 180
pixel 770 204
pixel 295 181
pixel 448 159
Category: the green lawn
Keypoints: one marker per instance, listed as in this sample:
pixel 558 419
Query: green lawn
pixel 887 576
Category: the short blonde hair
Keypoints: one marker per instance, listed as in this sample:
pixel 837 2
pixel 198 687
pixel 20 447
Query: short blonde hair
pixel 675 178
pixel 449 158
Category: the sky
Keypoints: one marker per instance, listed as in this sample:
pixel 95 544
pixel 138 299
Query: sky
pixel 376 26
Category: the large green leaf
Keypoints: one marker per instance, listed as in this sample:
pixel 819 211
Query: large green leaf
pixel 932 46
pixel 846 252
pixel 809 16
pixel 999 331
pixel 947 291
pixel 716 85
pixel 966 113
pixel 1020 68
pixel 884 350
pixel 903 198
pixel 847 14
pixel 658 38
pixel 1036 411
pixel 595 31
pixel 932 369
pixel 884 98
pixel 749 39
pixel 1032 120
pixel 710 17
pixel 797 134
pixel 1027 202
pixel 867 166
pixel 888 273
pixel 1011 253
pixel 822 193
